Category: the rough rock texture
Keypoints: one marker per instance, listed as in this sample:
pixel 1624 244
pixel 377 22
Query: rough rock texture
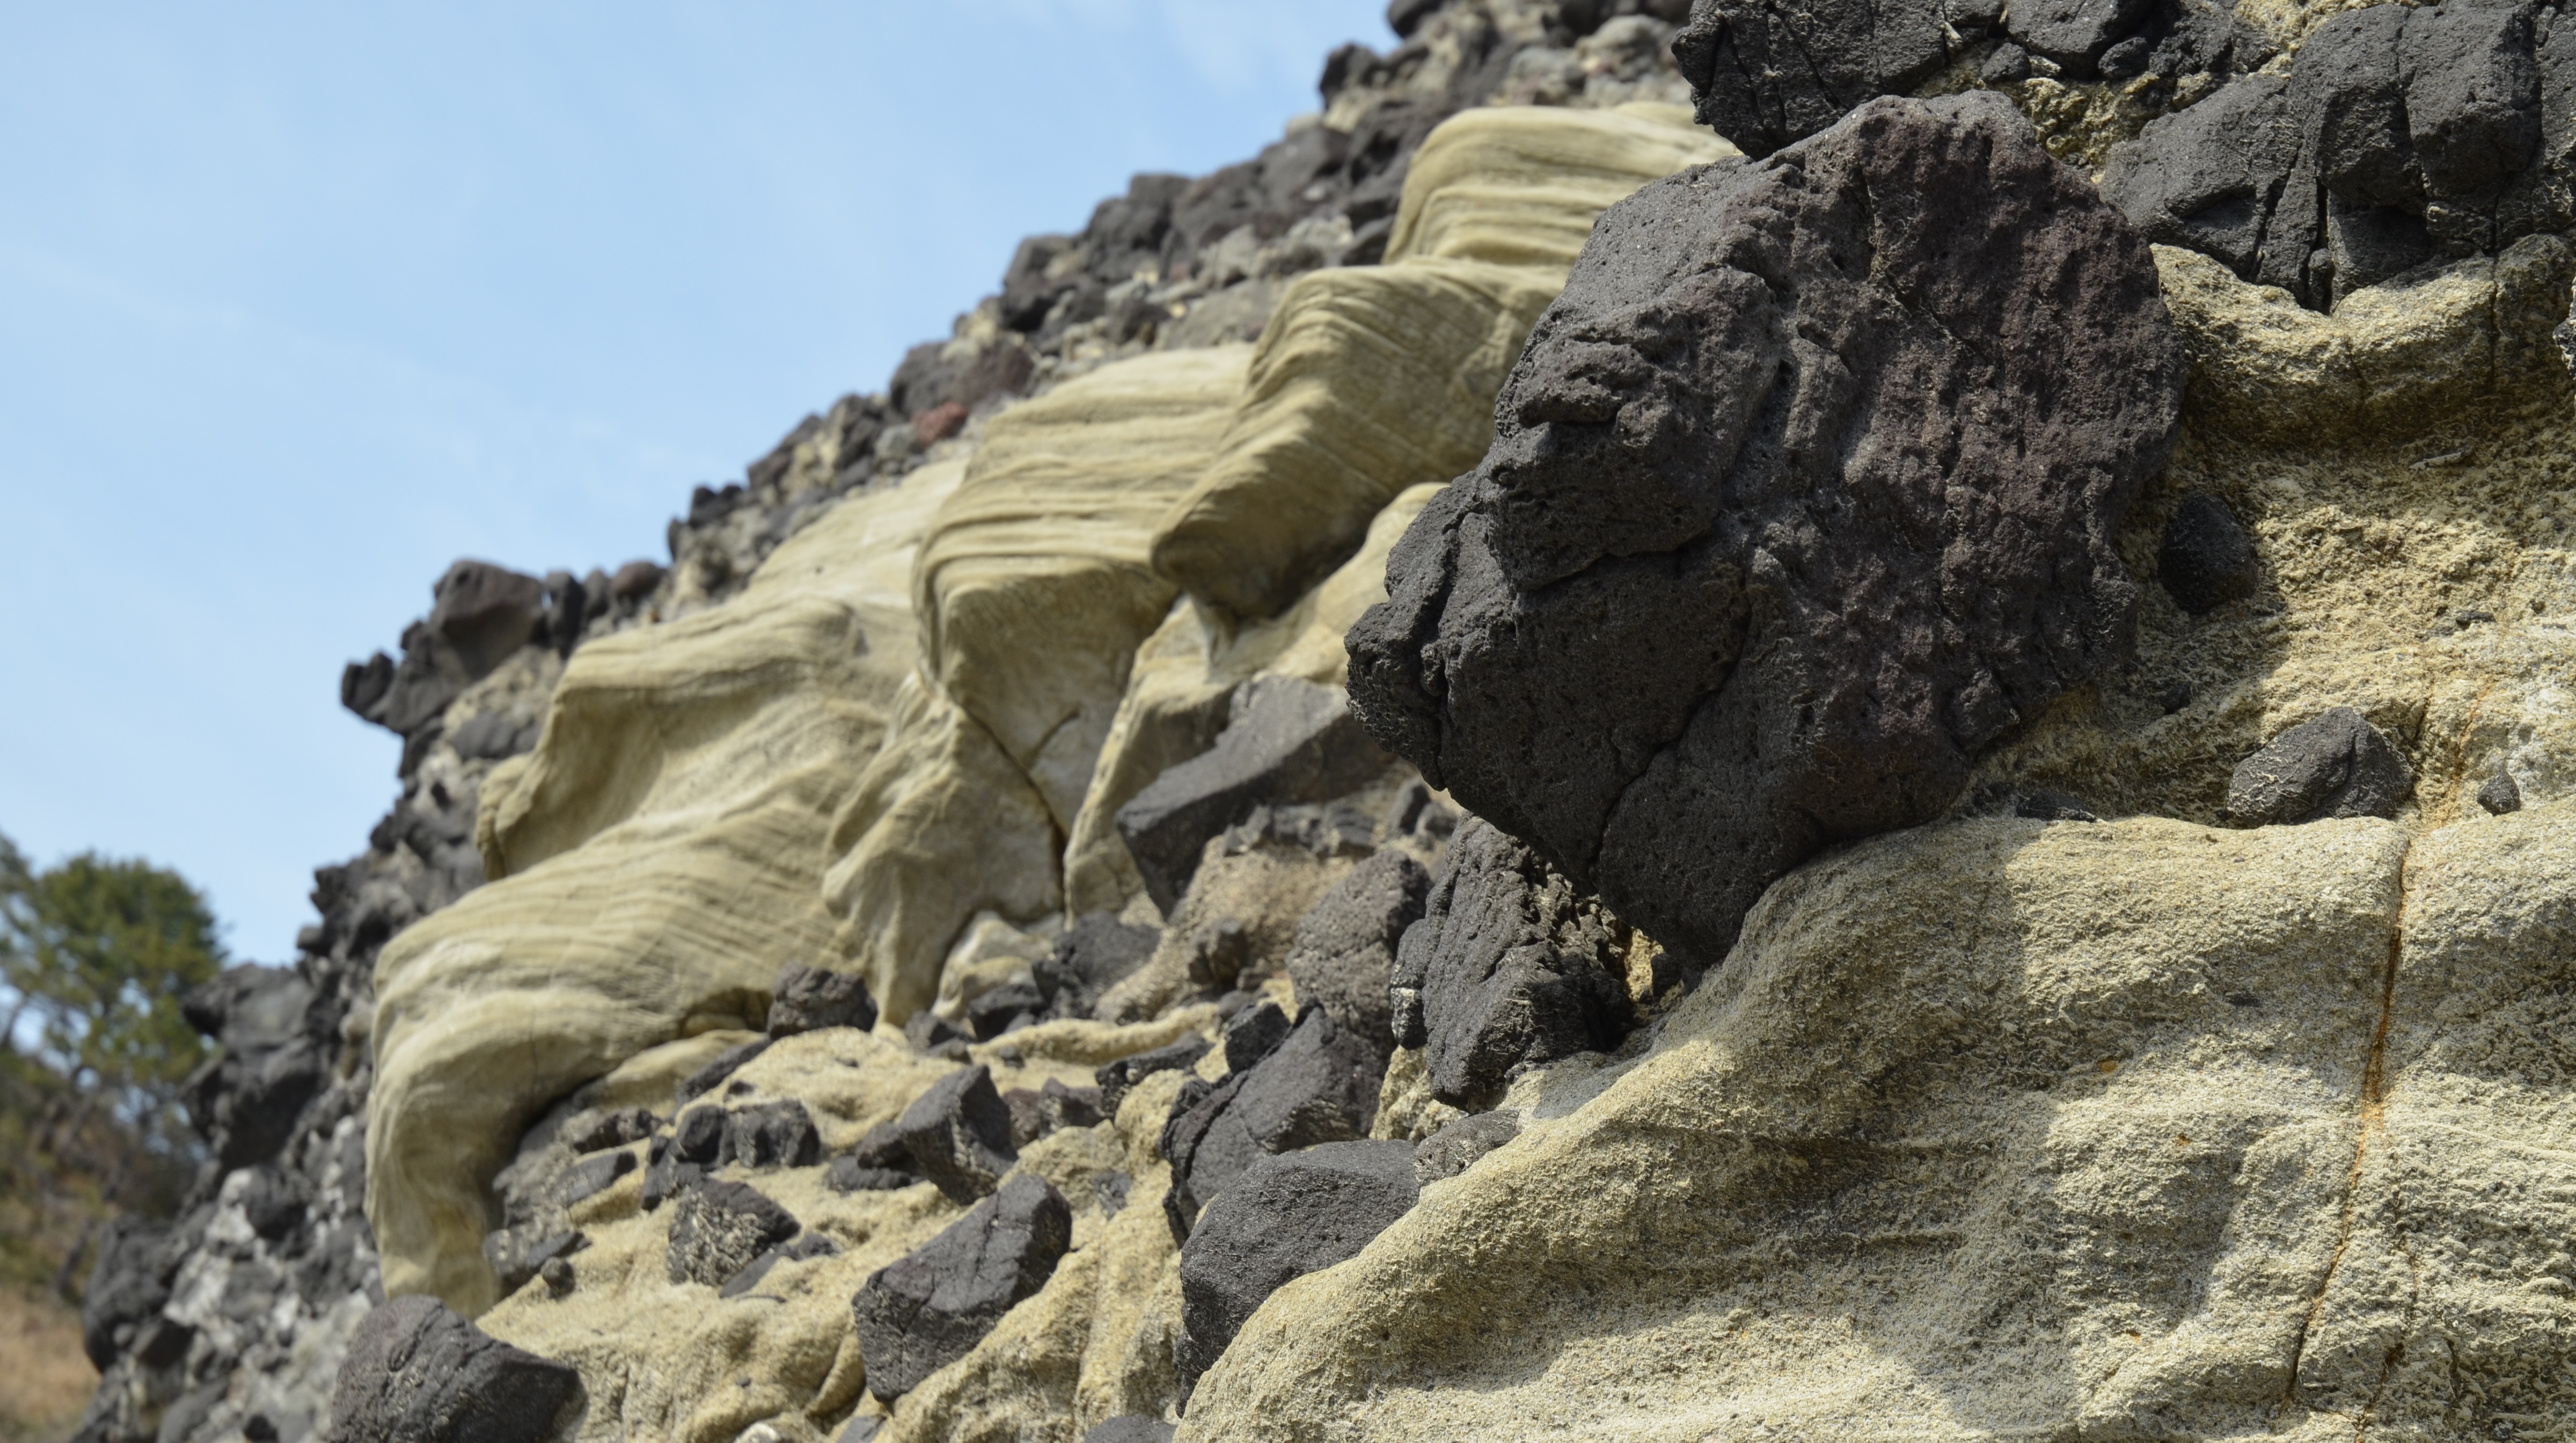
pixel 1455 1148
pixel 1345 950
pixel 1319 1085
pixel 1734 429
pixel 1878 1201
pixel 2239 1213
pixel 928 1310
pixel 642 898
pixel 1370 380
pixel 718 1229
pixel 958 1134
pixel 2207 559
pixel 1509 965
pixel 805 998
pixel 1284 1218
pixel 2337 765
pixel 2398 135
pixel 1288 741
pixel 418 1373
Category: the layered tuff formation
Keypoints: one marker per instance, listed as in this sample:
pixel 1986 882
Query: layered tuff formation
pixel 1505 774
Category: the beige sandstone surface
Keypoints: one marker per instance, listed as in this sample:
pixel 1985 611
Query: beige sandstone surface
pixel 693 772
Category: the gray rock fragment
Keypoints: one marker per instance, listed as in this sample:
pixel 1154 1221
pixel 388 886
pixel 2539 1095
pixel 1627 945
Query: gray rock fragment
pixel 418 1373
pixel 718 1229
pixel 1115 1078
pixel 1287 1216
pixel 725 1064
pixel 1288 742
pixel 1738 579
pixel 2501 795
pixel 2334 765
pixel 1096 955
pixel 1320 1085
pixel 1344 954
pixel 1455 1148
pixel 595 1175
pixel 926 1311
pixel 772 1134
pixel 1509 964
pixel 1253 1034
pixel 958 1133
pixel 2207 559
pixel 808 999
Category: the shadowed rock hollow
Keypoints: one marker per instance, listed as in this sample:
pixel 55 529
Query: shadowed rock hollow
pixel 1803 493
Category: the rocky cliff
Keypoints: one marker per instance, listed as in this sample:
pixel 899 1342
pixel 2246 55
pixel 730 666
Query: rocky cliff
pixel 1767 722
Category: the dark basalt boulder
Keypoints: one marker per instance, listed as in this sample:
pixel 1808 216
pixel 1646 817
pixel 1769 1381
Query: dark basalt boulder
pixel 917 1316
pixel 1802 494
pixel 719 1229
pixel 1287 742
pixel 958 1134
pixel 1319 1085
pixel 772 1134
pixel 1344 952
pixel 809 999
pixel 1096 954
pixel 2334 765
pixel 1765 73
pixel 2208 557
pixel 1284 1218
pixel 418 1373
pixel 2399 135
pixel 1116 1077
pixel 247 1099
pixel 127 1287
pixel 1509 964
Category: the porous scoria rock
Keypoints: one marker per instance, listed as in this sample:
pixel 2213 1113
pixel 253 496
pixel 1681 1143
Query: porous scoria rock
pixel 418 1373
pixel 2010 1129
pixel 659 860
pixel 1509 965
pixel 1812 476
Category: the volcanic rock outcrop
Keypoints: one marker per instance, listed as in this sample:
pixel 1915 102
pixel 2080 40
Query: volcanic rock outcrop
pixel 1812 475
pixel 762 1015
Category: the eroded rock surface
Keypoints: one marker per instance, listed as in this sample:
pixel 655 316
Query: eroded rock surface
pixel 1740 489
pixel 1285 1217
pixel 418 1373
pixel 926 1311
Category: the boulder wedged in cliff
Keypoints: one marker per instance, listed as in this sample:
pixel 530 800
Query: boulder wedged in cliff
pixel 1804 492
pixel 1372 379
pixel 661 860
pixel 2095 1119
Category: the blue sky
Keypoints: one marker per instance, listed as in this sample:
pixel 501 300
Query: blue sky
pixel 298 302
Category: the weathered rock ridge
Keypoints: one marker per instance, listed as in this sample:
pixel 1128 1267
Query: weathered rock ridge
pixel 938 960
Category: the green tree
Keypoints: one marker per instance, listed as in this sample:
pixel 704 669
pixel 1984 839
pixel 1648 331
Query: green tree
pixel 98 953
